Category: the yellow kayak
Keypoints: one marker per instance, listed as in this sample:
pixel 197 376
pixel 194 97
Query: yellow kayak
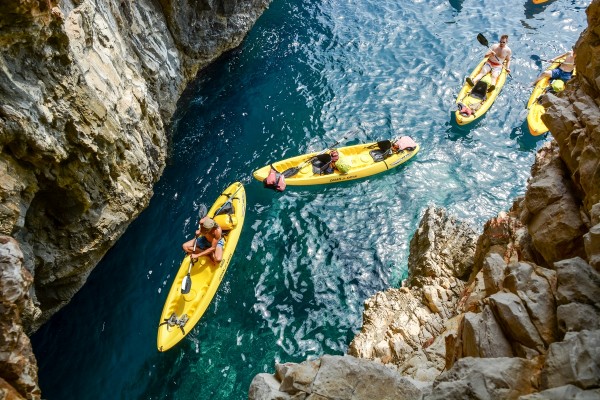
pixel 183 311
pixel 362 159
pixel 536 109
pixel 479 104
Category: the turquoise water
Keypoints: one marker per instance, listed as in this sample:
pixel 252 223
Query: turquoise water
pixel 308 73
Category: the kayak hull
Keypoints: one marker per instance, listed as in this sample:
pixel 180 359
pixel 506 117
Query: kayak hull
pixel 465 98
pixel 206 276
pixel 357 156
pixel 536 109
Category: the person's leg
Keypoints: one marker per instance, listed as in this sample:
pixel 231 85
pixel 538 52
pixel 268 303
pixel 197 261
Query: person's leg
pixel 202 244
pixel 495 74
pixel 188 246
pixel 484 70
pixel 543 74
pixel 218 253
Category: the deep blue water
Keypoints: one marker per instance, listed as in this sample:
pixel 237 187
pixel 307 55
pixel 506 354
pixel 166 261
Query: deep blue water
pixel 307 73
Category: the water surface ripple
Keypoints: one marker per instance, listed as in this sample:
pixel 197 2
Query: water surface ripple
pixel 308 73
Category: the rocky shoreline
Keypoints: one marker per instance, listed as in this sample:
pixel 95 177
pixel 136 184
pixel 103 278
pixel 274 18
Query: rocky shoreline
pixel 83 132
pixel 511 313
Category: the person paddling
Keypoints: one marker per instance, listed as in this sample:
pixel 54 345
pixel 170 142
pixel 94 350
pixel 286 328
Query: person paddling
pixel 563 72
pixel 497 55
pixel 209 241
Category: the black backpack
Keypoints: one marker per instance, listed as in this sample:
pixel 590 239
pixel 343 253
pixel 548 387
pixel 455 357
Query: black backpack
pixel 479 91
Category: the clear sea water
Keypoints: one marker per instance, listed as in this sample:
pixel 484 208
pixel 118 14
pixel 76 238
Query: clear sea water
pixel 307 73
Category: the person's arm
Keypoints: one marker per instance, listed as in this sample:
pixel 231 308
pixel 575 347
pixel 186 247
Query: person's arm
pixel 206 252
pixel 508 61
pixel 491 51
pixel 213 246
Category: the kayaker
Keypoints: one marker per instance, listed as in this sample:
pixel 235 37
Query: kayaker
pixel 209 241
pixel 330 166
pixel 563 72
pixel 496 55
pixel 336 164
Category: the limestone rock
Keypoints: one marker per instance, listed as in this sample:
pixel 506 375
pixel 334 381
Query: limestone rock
pixel 575 317
pixel 591 242
pixel 485 378
pixel 512 315
pixel 482 336
pixel 567 392
pixel 574 361
pixel 494 269
pixel 536 287
pixel 336 377
pixel 266 387
pixel 555 225
pixel 18 367
pixel 442 246
pixel 577 282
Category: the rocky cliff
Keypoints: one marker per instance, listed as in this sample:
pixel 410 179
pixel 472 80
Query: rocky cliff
pixel 87 89
pixel 511 313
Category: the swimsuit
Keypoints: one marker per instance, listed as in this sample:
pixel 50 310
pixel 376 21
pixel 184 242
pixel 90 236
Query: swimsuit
pixel 204 244
pixel 558 73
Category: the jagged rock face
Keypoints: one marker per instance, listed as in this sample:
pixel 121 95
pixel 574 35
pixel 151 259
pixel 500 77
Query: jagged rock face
pixel 574 116
pixel 441 246
pixel 88 88
pixel 334 377
pixel 400 326
pixel 18 370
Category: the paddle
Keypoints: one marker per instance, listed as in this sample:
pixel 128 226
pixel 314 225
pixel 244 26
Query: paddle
pixel 186 283
pixel 525 111
pixel 227 201
pixel 294 170
pixel 481 39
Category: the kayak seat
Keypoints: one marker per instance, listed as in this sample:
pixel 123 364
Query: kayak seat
pixel 479 91
pixel 319 164
pixel 382 152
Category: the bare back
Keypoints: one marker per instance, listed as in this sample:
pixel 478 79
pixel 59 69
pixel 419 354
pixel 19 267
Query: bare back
pixel 569 64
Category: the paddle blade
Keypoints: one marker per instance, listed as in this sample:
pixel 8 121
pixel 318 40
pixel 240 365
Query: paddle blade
pixel 481 39
pixel 290 172
pixel 186 284
pixel 523 114
pixel 202 211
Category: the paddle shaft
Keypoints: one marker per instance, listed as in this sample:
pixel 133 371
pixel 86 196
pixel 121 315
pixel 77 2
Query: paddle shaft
pixel 228 200
pixel 305 163
pixel 294 170
pixel 186 283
